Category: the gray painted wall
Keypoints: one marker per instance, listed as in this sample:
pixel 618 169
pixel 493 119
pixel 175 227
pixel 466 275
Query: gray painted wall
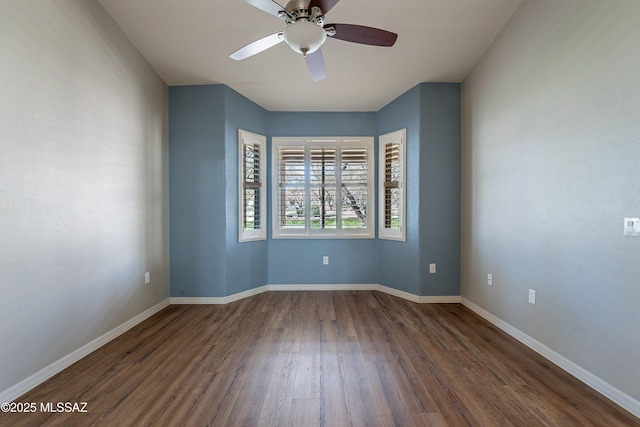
pixel 551 165
pixel 83 182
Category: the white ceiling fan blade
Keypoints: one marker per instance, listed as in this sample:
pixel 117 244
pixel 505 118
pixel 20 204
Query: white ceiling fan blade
pixel 257 46
pixel 269 6
pixel 315 64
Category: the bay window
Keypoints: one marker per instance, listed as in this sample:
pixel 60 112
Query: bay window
pixel 323 188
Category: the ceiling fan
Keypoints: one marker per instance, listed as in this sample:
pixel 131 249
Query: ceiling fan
pixel 306 32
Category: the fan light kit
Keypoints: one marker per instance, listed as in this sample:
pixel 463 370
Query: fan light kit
pixel 304 37
pixel 306 32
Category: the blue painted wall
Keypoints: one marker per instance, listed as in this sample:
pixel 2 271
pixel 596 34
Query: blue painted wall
pixel 322 124
pixel 431 114
pixel 398 262
pixel 208 260
pixel 246 263
pixel 295 261
pixel 197 218
pixel 440 187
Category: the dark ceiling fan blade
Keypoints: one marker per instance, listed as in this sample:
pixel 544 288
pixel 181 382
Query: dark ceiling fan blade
pixel 363 35
pixel 269 6
pixel 257 46
pixel 315 64
pixel 324 5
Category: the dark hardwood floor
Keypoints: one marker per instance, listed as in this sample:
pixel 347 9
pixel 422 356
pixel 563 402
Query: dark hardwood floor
pixel 318 359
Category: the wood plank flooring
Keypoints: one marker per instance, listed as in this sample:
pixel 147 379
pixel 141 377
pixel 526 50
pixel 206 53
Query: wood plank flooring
pixel 318 359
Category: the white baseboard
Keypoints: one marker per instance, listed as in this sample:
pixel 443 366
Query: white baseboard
pixel 218 300
pixel 453 299
pixel 319 287
pixel 596 383
pixel 323 287
pixel 47 372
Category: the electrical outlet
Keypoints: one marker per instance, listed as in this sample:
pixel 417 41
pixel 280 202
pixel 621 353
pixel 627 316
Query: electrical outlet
pixel 432 268
pixel 532 296
pixel 147 277
pixel 490 279
pixel 325 260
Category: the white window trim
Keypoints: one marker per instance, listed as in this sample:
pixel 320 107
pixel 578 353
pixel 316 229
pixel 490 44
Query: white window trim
pixel 249 235
pixel 307 232
pixel 400 137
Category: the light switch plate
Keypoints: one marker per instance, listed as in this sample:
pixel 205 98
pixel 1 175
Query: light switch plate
pixel 631 226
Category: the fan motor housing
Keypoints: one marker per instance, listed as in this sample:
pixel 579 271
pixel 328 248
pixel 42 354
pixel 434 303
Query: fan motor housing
pixel 298 10
pixel 298 6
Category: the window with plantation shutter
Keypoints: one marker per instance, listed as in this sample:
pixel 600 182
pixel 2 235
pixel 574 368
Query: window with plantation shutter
pixel 252 197
pixel 391 186
pixel 323 188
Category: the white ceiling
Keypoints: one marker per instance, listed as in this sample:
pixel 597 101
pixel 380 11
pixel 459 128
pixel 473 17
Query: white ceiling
pixel 188 42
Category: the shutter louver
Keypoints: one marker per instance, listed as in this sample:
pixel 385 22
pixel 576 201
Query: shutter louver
pixel 252 185
pixel 292 187
pixel 391 185
pixel 355 174
pixel 323 187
